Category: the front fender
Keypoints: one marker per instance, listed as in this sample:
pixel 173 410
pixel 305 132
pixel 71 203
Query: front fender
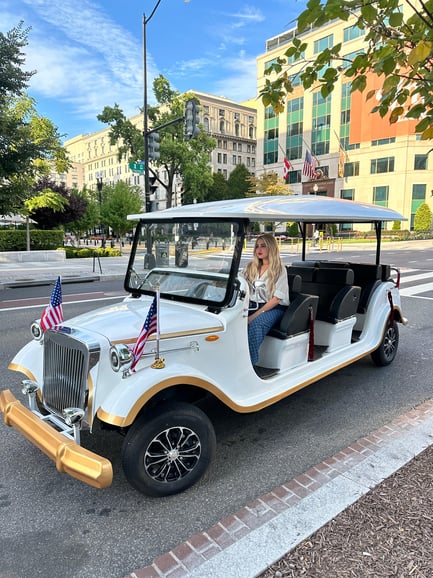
pixel 123 404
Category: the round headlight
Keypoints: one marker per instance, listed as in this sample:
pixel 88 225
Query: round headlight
pixel 119 356
pixel 36 331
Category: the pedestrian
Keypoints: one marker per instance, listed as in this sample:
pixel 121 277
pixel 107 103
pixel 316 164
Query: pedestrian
pixel 269 291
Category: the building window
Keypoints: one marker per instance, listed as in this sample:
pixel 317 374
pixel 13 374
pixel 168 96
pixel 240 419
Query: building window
pixel 382 141
pixel 234 146
pixel 420 163
pixel 352 32
pixel 351 169
pixel 225 144
pixel 224 158
pixel 294 177
pixel 248 161
pixel 239 160
pixel 233 159
pixel 323 43
pixel 348 194
pixel 251 132
pixel 222 125
pixel 222 112
pixel 321 124
pixel 206 124
pixel 270 137
pixel 384 165
pixel 248 148
pixel 380 195
pixel 237 129
pixel 219 158
pixel 418 198
pixel 295 128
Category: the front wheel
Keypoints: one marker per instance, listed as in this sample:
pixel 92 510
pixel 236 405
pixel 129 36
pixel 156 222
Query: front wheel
pixel 387 350
pixel 167 453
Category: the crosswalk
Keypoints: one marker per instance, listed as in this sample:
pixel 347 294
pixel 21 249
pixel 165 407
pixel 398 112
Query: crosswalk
pixel 414 283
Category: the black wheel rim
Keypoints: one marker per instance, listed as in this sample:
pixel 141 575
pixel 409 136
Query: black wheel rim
pixel 390 343
pixel 172 454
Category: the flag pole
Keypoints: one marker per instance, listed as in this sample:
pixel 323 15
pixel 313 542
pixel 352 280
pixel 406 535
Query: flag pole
pixel 159 362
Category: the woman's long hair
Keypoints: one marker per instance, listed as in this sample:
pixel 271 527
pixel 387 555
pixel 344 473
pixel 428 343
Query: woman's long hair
pixel 252 270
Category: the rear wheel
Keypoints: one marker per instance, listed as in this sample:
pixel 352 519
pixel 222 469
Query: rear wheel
pixel 387 350
pixel 167 453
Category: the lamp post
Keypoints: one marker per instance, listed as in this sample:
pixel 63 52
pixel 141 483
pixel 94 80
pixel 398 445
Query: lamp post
pixel 145 124
pixel 99 186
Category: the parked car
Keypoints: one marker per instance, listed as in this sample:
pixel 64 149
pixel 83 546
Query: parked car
pixel 86 370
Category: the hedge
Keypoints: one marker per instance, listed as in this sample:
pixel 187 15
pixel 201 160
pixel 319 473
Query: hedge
pixel 16 240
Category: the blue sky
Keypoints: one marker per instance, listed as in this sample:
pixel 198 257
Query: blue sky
pixel 89 53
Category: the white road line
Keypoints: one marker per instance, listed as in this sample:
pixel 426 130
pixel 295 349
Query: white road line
pixel 416 289
pixel 409 278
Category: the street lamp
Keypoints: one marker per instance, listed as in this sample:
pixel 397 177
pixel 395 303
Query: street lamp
pixel 99 186
pixel 145 125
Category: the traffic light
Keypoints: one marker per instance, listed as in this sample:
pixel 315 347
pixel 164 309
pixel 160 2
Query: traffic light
pixel 153 146
pixel 192 111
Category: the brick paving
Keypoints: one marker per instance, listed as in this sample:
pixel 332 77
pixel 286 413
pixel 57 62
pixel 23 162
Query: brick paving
pixel 186 559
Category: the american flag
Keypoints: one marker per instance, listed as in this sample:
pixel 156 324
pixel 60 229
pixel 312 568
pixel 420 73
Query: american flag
pixel 53 314
pixel 309 169
pixel 286 168
pixel 150 326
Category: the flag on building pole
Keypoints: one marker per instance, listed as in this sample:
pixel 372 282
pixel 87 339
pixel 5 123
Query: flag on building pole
pixel 341 161
pixel 53 314
pixel 309 169
pixel 286 169
pixel 150 326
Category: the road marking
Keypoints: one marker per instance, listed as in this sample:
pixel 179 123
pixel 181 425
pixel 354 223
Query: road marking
pixel 39 306
pixel 410 291
pixel 409 278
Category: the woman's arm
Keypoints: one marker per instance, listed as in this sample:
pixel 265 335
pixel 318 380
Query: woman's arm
pixel 273 302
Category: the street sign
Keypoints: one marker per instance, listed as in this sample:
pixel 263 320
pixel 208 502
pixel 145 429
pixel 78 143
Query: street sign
pixel 137 167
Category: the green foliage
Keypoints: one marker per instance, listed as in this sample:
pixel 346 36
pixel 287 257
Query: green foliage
pixel 83 253
pixel 91 216
pixel 16 240
pixel 398 49
pixel 293 230
pixel 218 191
pixel 119 202
pixel 177 156
pixel 423 218
pixel 238 184
pixel 29 144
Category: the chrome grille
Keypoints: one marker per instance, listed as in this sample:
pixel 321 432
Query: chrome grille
pixel 68 356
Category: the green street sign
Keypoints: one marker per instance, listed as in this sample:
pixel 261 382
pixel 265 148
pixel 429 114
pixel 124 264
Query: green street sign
pixel 137 167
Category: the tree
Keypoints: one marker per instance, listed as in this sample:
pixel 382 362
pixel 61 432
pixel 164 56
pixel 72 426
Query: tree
pixel 238 184
pixel 91 216
pixel 177 155
pixel 29 143
pixel 120 201
pixel 423 218
pixel 218 190
pixel 57 207
pixel 398 49
pixel 267 184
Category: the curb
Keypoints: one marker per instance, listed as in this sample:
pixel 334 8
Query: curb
pixel 258 535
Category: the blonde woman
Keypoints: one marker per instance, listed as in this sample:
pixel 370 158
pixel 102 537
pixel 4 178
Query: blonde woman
pixel 269 291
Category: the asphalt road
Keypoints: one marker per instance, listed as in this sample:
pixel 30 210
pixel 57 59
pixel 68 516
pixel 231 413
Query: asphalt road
pixel 52 525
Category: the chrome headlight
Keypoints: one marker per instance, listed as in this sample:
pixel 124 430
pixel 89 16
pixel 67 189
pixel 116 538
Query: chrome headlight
pixel 36 331
pixel 120 357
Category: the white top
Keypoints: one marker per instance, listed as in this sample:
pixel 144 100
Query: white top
pixel 260 293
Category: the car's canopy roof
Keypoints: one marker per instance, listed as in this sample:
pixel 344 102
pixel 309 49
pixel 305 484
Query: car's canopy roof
pixel 299 208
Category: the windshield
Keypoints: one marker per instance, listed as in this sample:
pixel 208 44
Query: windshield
pixel 187 261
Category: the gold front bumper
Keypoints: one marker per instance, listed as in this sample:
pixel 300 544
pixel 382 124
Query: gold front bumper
pixel 69 457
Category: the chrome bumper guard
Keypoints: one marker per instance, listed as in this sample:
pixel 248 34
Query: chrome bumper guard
pixel 69 457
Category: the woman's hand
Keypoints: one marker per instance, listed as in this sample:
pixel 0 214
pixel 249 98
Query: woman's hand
pixel 265 307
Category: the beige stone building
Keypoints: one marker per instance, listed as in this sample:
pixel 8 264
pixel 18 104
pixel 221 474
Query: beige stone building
pixel 231 124
pixel 360 155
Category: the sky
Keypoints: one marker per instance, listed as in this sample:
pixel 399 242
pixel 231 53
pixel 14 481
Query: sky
pixel 88 54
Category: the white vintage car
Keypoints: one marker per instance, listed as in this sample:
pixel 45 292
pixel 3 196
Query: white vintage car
pixel 79 373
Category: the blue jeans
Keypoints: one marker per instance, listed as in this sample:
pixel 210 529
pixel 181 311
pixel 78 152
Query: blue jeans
pixel 259 327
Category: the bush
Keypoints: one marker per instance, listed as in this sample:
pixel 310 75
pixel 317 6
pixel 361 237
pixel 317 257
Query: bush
pixel 16 240
pixel 76 253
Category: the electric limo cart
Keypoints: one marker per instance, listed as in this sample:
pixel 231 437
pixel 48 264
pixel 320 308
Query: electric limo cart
pixel 82 374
